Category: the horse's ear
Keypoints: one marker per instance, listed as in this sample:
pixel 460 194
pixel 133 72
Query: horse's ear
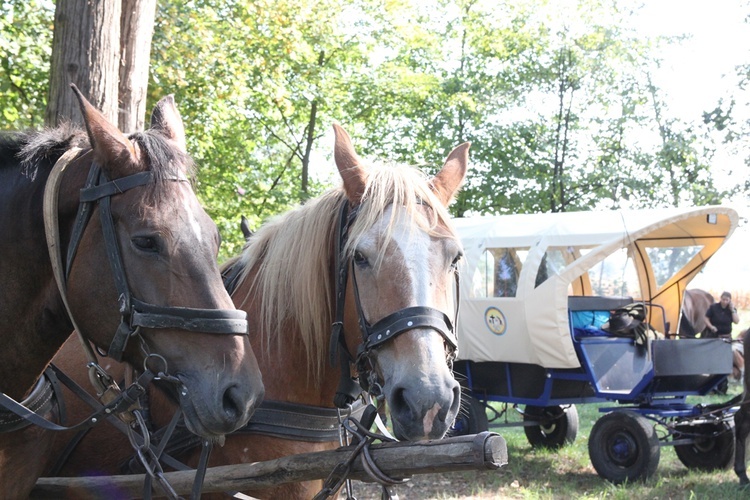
pixel 166 119
pixel 448 181
pixel 111 148
pixel 350 168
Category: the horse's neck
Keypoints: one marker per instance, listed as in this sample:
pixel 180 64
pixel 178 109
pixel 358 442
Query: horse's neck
pixel 286 378
pixel 33 323
pixel 30 339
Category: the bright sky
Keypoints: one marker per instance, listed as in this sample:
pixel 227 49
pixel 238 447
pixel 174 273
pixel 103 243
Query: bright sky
pixel 699 70
pixel 697 74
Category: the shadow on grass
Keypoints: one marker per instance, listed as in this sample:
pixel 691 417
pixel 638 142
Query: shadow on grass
pixel 563 474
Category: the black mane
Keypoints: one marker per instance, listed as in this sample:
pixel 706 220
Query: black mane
pixel 41 149
pixel 35 149
pixel 163 158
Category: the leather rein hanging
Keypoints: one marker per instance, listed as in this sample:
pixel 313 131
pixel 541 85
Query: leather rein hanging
pixel 382 331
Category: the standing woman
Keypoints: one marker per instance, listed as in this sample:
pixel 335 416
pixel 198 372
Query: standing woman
pixel 720 316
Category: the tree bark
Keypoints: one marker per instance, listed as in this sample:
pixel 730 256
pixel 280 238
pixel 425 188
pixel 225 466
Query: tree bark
pixel 85 51
pixel 136 32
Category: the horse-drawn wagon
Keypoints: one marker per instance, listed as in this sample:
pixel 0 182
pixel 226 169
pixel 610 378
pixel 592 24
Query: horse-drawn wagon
pixel 569 308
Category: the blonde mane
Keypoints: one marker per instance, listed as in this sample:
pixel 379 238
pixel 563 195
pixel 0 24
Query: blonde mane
pixel 293 254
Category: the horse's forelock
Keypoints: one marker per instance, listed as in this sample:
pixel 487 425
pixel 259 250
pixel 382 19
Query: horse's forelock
pixel 164 159
pixel 163 156
pixel 405 187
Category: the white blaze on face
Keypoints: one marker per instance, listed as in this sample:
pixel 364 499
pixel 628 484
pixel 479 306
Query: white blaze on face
pixel 192 220
pixel 414 246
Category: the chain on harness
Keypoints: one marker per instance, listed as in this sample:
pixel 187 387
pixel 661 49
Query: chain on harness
pixel 361 439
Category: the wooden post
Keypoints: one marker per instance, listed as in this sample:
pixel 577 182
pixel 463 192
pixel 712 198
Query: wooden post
pixel 398 460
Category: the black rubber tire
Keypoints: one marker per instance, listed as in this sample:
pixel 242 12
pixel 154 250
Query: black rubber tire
pixel 471 419
pixel 557 427
pixel 623 446
pixel 710 453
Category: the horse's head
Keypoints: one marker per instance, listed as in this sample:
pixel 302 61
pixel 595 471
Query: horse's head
pixel 167 294
pixel 403 255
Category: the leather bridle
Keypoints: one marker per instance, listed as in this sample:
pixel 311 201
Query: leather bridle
pixel 373 336
pixel 134 313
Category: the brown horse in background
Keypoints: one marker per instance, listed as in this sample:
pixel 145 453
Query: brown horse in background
pixel 695 303
pixel 693 324
pixel 142 204
pixel 400 251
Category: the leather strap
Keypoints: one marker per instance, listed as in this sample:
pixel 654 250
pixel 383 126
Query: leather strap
pixel 52 232
pixel 41 401
pixel 296 421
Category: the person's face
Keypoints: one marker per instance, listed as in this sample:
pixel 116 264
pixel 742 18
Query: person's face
pixel 725 301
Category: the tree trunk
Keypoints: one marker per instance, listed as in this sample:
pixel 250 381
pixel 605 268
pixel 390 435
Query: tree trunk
pixel 136 32
pixel 85 51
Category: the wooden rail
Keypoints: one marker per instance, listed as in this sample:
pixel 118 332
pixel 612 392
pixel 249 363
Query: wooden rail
pixel 399 460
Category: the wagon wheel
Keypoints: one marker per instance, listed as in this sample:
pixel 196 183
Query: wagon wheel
pixel 557 426
pixel 623 446
pixel 471 419
pixel 712 450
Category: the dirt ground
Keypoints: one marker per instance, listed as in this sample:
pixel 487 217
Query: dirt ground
pixel 454 486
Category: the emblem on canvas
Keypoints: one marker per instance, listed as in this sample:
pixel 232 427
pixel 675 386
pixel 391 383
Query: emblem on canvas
pixel 495 320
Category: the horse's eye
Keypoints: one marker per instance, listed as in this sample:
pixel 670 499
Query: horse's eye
pixel 456 260
pixel 360 259
pixel 145 243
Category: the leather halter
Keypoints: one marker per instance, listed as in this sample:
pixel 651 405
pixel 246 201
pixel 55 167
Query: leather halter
pixel 136 313
pixel 382 331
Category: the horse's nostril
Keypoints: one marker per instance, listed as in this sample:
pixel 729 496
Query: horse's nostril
pixel 231 403
pixel 456 399
pixel 398 401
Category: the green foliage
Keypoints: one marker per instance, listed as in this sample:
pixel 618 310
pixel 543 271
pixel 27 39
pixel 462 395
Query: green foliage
pixel 25 49
pixel 259 83
pixel 556 98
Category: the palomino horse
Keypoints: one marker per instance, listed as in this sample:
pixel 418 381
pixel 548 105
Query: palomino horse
pixel 164 291
pixel 400 254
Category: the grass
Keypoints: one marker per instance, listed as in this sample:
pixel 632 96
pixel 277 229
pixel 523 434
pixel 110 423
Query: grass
pixel 568 474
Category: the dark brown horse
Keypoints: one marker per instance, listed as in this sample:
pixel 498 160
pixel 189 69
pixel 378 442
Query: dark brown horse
pixel 143 265
pixel 742 423
pixel 401 253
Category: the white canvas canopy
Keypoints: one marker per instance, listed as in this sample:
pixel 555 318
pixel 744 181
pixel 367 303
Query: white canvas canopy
pixel 519 270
